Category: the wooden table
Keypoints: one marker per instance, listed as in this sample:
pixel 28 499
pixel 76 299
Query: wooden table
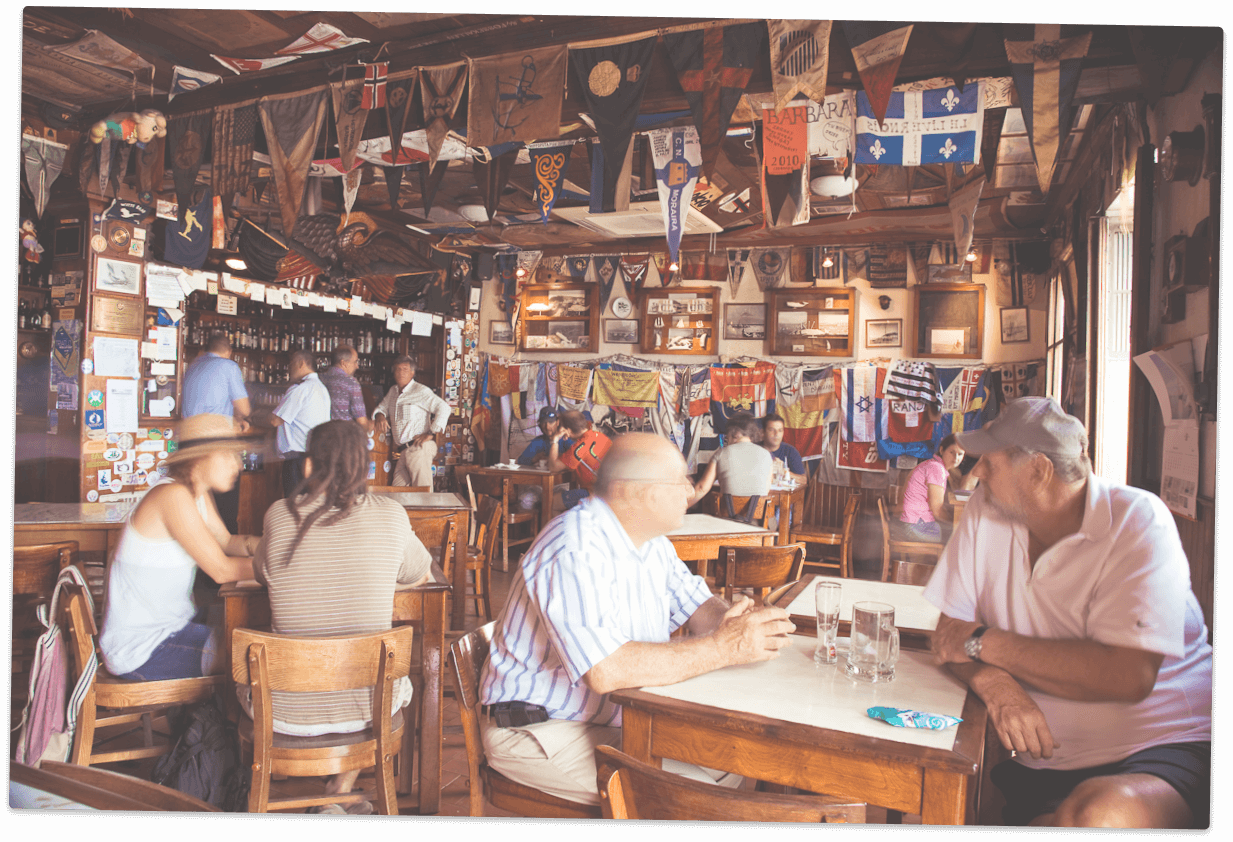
pixel 247 605
pixel 915 617
pixel 958 502
pixel 94 526
pixel 790 504
pixel 448 503
pixel 791 722
pixel 699 538
pixel 542 477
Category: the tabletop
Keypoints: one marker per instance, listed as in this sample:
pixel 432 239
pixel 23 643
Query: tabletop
pixel 700 524
pixel 505 467
pixel 912 610
pixel 34 514
pixel 425 499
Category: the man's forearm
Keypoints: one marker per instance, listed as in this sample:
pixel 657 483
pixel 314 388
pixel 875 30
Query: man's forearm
pixel 1083 670
pixel 638 664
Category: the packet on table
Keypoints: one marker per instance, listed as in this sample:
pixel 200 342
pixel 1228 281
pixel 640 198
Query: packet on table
pixel 903 718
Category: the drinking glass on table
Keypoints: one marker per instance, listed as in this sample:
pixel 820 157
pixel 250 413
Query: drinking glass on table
pixel 826 601
pixel 874 648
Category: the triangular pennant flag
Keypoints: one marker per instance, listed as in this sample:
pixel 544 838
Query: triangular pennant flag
pixel 678 156
pixel 738 259
pixel 492 175
pixel 800 50
pixel 186 140
pixel 351 188
pixel 614 78
pixel 349 117
pixel 292 123
pixel 516 96
pixel 548 162
pixel 633 269
pixel 785 163
pixel 1045 66
pixel 441 90
pixel 713 66
pixel 374 85
pixel 956 41
pixel 185 79
pixel 430 179
pixel 770 265
pixel 188 238
pixel 320 39
pixel 661 260
pixel 606 270
pixel 393 184
pixel 43 160
pixel 963 214
pixel 150 170
pixel 877 48
pixel 235 131
pixel 250 65
pixel 104 164
pixel 218 239
pixel 578 266
pixel 399 93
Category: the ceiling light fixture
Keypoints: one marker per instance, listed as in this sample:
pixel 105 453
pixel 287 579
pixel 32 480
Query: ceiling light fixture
pixel 971 256
pixel 833 186
pixel 236 263
pixel 828 261
pixel 520 272
pixel 673 267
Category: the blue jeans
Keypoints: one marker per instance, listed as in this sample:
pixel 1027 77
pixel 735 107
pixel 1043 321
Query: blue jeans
pixel 921 531
pixel 188 653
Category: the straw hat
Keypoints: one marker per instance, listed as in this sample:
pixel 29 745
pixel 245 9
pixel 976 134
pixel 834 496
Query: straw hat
pixel 202 435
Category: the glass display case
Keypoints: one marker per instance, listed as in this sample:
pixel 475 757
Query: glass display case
pixel 559 317
pixel 680 320
pixel 812 322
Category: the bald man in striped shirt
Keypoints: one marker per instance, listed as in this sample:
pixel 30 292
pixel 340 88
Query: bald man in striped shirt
pixel 591 611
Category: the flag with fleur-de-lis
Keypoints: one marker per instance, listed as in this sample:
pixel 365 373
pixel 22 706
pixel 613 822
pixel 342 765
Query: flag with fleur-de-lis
pixel 938 126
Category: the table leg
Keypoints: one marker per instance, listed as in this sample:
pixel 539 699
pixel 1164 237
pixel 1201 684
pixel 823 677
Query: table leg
pixel 636 736
pixel 457 619
pixel 545 505
pixel 944 797
pixel 235 616
pixel 785 519
pixel 431 732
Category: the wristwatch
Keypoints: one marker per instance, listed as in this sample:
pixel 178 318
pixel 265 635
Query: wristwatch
pixel 971 646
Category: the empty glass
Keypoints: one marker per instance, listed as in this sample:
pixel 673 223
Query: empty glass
pixel 826 601
pixel 874 649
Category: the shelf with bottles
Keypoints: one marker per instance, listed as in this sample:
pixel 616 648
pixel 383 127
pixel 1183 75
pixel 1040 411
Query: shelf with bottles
pixel 815 323
pixel 679 320
pixel 33 316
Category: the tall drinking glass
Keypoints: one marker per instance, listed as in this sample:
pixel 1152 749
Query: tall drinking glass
pixel 826 601
pixel 875 642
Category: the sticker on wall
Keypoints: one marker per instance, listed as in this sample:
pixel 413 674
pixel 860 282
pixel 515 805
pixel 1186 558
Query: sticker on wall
pixel 145 460
pixel 91 496
pixel 171 447
pixel 123 468
pixel 95 419
pixel 140 477
pixel 116 486
pixel 371 445
pixel 155 434
pixel 126 441
pixel 87 366
pixel 386 466
pixel 111 454
pixel 113 438
pixel 372 470
pixel 104 478
pixel 94 398
pixel 167 433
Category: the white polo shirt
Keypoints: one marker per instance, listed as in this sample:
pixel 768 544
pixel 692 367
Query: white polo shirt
pixel 1122 580
pixel 306 405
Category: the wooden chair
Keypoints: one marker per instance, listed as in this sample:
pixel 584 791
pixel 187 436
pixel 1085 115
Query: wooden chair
pixel 918 557
pixel 502 488
pixel 467 657
pixel 267 662
pixel 438 532
pixel 631 789
pixel 35 569
pixel 106 790
pixel 776 595
pixel 717 504
pixel 757 568
pixel 480 556
pixel 838 535
pixel 113 701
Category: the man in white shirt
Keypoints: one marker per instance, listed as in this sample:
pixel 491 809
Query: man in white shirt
pixel 414 416
pixel 306 404
pixel 1066 606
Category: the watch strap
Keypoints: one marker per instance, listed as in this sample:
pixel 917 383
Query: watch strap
pixel 972 646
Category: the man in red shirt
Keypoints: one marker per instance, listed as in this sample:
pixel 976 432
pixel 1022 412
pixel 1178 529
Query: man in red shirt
pixel 582 457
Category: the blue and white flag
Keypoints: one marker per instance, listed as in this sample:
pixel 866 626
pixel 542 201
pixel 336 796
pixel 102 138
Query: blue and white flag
pixel 185 79
pixel 941 126
pixel 678 158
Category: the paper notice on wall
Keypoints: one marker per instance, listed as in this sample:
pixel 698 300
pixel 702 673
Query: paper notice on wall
pixel 329 304
pixel 1179 477
pixel 228 305
pixel 121 405
pixel 116 357
pixel 165 337
pixel 1172 377
pixel 1171 372
pixel 163 286
pixel 256 292
pixel 421 323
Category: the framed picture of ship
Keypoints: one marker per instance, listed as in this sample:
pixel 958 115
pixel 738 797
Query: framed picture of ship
pixel 744 321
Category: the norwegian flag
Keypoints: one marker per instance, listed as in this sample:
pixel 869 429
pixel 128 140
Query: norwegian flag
pixel 321 38
pixel 374 85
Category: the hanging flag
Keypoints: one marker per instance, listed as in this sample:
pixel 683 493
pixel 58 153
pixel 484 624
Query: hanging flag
pixel 939 126
pixel 250 65
pixel 836 271
pixel 713 67
pixel 42 160
pixel 186 138
pixel 963 214
pixel 887 267
pixel 441 90
pixel 574 382
pixel 738 259
pixel 703 266
pixel 857 393
pixel 374 85
pixel 605 198
pixel 606 270
pixel 350 115
pixel 578 267
pixel 785 167
pixel 350 189
pixel 185 79
pixel 320 39
pixel 806 420
pixel 516 96
pixel 548 161
pixel 859 456
pixel 877 48
pixel 614 78
pixel 126 211
pixel 393 184
pixel 187 241
pixel 633 269
pixel 832 125
pixel 399 92
pixel 913 380
pixel 638 389
pixel 1045 61
pixel 235 131
pixel 430 179
pixel 800 51
pixel 741 389
pixel 770 265
pixel 99 49
pixel 661 260
pixel 677 155
pixel 292 123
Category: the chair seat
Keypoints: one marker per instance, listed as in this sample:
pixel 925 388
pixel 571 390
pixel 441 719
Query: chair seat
pixel 817 535
pixel 113 692
pixel 506 794
pixel 328 754
pixel 355 738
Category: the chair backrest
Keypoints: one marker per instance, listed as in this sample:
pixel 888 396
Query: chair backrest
pixel 630 789
pixel 78 626
pixel 466 660
pixel 776 595
pixel 321 664
pixel 761 514
pixel 106 790
pixel 825 504
pixel 758 568
pixel 36 567
pixel 489 520
pixel 850 511
pixel 915 574
pixel 434 529
pixel 493 486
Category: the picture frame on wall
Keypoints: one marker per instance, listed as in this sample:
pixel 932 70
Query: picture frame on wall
pixel 500 333
pixel 950 320
pixel 884 333
pixel 621 331
pixel 744 321
pixel 117 276
pixel 1015 325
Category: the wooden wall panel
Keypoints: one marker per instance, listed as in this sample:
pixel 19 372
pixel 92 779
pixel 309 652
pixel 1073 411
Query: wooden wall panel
pixel 1199 541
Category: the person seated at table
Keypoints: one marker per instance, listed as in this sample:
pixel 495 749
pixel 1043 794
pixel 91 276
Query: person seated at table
pixel 583 455
pixel 537 450
pixel 1067 608
pixel 151 629
pixel 961 477
pixel 924 511
pixel 742 467
pixel 331 558
pixel 591 610
pixel 786 457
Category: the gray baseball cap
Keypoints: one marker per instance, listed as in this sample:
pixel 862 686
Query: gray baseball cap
pixel 1032 423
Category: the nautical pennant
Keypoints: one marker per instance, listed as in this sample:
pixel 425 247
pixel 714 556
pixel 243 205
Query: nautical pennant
pixel 603 199
pixel 492 175
pixel 1045 66
pixel 877 48
pixel 963 214
pixel 677 155
pixel 887 266
pixel 292 123
pixel 320 39
pixel 186 138
pixel 43 160
pixel 441 90
pixel 548 162
pixel 250 65
pixel 374 85
pixel 800 50
pixel 738 259
pixel 578 266
pixel 399 92
pixel 713 66
pixel 703 266
pixel 235 131
pixel 769 266
pixel 393 184
pixel 606 270
pixel 614 78
pixel 939 126
pixel 430 179
pixel 633 268
pixel 185 79
pixel 349 117
pixel 516 96
pixel 785 165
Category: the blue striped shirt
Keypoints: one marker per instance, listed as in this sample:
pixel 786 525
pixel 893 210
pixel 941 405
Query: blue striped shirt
pixel 584 592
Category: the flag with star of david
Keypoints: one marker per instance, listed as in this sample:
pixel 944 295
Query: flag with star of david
pixel 939 126
pixel 858 389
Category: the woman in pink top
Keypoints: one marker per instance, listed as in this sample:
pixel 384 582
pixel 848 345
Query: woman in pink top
pixel 924 497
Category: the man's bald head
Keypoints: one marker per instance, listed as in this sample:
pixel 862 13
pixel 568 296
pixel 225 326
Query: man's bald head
pixel 642 457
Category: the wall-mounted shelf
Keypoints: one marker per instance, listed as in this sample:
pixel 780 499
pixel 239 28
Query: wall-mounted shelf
pixel 559 317
pixel 680 320
pixel 812 322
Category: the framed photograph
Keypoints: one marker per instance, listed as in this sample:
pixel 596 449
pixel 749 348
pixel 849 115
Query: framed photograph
pixel 621 331
pixel 476 291
pixel 950 320
pixel 1015 325
pixel 884 333
pixel 500 333
pixel 118 276
pixel 945 342
pixel 744 321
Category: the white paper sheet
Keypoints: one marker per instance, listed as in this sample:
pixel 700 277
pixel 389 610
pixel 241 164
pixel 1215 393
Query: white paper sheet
pixel 116 357
pixel 163 285
pixel 1171 372
pixel 421 323
pixel 121 405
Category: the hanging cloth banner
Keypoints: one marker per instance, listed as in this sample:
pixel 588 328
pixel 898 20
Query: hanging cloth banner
pixel 1045 62
pixel 393 184
pixel 677 155
pixel 913 380
pixel 660 261
pixel 516 96
pixel 574 382
pixel 235 132
pixel 605 266
pixel 349 117
pixel 857 393
pixel 322 38
pixel 186 138
pixel 963 214
pixel 185 79
pixel 940 126
pixel 608 198
pixel 633 268
pixel 548 161
pixel 578 267
pixel 703 266
pixel 292 123
pixel 639 389
pixel 399 93
pixel 250 65
pixel 785 167
pixel 741 389
pixel 187 240
pixel 43 161
pixel 800 51
pixel 837 271
pixel 738 259
pixel 887 267
pixel 614 78
pixel 770 265
pixel 441 90
pixel 492 175
pixel 877 48
pixel 713 67
pixel 374 85
pixel 832 125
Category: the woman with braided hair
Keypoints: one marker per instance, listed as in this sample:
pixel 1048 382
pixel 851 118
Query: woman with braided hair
pixel 331 556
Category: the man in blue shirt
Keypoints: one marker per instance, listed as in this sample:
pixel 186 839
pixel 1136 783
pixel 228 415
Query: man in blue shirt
pixel 772 440
pixel 213 384
pixel 549 423
pixel 306 405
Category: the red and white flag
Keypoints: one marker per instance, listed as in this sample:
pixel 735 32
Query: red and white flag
pixel 248 65
pixel 321 38
pixel 374 85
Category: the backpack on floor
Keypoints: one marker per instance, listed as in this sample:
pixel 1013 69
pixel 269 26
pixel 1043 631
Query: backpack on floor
pixel 205 761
